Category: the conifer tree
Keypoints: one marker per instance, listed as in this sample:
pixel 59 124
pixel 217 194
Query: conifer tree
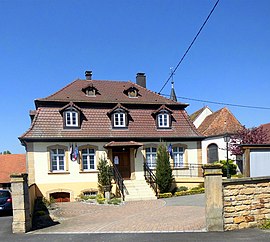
pixel 163 170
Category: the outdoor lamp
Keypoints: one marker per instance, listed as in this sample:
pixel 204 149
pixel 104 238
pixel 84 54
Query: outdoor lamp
pixel 227 140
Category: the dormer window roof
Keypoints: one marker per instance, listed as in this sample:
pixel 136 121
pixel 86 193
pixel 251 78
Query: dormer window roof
pixel 163 117
pixel 119 116
pixel 132 92
pixel 71 115
pixel 91 91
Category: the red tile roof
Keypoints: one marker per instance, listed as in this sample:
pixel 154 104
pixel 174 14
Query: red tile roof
pixel 48 123
pixel 110 92
pixel 96 124
pixel 219 123
pixel 11 163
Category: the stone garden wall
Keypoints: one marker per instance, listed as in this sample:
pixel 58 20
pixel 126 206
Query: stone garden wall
pixel 246 202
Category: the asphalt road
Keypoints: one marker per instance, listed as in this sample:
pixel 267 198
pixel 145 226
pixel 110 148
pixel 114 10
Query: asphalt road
pixel 241 235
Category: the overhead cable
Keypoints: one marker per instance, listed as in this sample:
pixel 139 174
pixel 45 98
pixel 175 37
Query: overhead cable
pixel 221 103
pixel 172 73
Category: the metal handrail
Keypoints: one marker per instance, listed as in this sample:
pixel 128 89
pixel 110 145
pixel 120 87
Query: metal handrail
pixel 150 177
pixel 119 180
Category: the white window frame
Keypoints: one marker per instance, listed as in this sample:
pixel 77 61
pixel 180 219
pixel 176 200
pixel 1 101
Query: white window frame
pixel 90 156
pixel 58 158
pixel 151 156
pixel 119 119
pixel 178 156
pixel 163 120
pixel 72 118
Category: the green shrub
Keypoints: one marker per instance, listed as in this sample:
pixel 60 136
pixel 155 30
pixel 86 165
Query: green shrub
pixel 165 195
pixel 232 167
pixel 265 224
pixel 104 173
pixel 115 201
pixel 101 200
pixel 181 188
pixel 190 192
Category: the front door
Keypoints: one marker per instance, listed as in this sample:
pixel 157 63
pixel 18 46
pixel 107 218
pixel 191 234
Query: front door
pixel 122 162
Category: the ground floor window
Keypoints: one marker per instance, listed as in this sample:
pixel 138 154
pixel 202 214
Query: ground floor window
pixel 88 159
pixel 57 159
pixel 178 157
pixel 151 156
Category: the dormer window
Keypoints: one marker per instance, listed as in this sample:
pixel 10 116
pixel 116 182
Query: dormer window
pixel 90 91
pixel 119 119
pixel 132 92
pixel 163 117
pixel 163 120
pixel 71 116
pixel 119 116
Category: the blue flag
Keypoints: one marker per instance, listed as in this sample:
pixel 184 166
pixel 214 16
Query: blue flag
pixel 170 150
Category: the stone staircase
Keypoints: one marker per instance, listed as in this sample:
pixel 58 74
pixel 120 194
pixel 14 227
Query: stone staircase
pixel 138 190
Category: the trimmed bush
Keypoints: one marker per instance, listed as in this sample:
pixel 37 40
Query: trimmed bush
pixel 165 195
pixel 190 192
pixel 115 201
pixel 181 188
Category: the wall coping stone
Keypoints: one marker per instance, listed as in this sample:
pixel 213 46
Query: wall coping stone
pixel 246 180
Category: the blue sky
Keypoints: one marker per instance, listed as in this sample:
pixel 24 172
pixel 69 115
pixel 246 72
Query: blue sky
pixel 44 45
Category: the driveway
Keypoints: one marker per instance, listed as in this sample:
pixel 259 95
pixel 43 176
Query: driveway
pixel 163 215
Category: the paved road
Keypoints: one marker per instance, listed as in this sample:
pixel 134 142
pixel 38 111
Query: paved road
pixel 186 201
pixel 163 215
pixel 249 235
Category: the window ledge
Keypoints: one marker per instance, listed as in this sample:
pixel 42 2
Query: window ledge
pixel 58 172
pixel 181 168
pixel 88 171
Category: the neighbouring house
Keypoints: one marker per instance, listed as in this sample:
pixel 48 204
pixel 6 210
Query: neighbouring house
pixel 10 164
pixel 119 120
pixel 214 126
pixel 256 157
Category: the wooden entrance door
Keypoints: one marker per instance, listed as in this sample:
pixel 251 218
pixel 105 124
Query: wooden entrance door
pixel 122 161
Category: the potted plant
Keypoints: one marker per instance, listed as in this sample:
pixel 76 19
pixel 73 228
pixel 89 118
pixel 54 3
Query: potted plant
pixel 104 177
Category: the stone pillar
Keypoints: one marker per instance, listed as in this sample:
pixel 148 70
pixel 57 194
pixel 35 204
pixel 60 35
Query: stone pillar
pixel 213 197
pixel 20 201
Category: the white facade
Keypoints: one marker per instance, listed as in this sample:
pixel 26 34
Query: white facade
pixel 222 151
pixel 206 112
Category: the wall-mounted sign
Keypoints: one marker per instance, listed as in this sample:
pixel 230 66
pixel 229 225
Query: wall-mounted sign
pixel 116 160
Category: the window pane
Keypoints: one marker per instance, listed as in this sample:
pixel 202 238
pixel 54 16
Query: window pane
pixel 178 153
pixel 88 158
pixel 68 118
pixel 85 165
pixel 58 159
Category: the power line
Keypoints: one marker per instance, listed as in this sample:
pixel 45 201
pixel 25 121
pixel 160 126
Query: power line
pixel 220 103
pixel 172 73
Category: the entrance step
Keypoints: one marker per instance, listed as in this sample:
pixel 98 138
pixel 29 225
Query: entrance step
pixel 138 190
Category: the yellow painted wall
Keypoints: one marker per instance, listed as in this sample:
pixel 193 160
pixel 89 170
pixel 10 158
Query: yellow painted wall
pixel 73 180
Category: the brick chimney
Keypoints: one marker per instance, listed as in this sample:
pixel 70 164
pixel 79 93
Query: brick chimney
pixel 141 79
pixel 88 75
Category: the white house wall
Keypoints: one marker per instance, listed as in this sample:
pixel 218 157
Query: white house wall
pixel 198 121
pixel 219 141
